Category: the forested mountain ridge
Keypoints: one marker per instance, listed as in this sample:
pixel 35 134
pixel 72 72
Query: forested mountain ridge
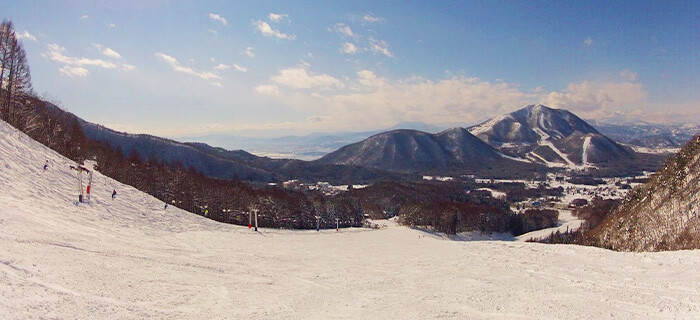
pixel 663 214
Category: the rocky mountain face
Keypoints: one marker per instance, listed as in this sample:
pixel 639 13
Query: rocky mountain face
pixel 663 214
pixel 553 137
pixel 416 151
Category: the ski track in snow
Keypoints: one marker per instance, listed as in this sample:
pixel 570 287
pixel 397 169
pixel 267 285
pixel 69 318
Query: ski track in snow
pixel 128 258
pixel 586 145
pixel 536 157
pixel 544 141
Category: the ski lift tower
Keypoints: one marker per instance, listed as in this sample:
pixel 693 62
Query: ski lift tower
pixel 255 211
pixel 81 169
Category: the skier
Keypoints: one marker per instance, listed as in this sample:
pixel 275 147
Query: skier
pixel 166 207
pixel 114 193
pixel 46 165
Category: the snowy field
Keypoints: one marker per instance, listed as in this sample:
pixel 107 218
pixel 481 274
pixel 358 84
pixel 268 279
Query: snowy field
pixel 129 258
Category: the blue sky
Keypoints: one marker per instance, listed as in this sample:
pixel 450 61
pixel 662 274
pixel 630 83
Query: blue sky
pixel 188 68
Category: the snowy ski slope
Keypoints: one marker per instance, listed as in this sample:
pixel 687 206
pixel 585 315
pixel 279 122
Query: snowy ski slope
pixel 128 258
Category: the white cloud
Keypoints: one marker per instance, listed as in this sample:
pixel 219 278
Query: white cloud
pixel 589 42
pixel 222 66
pixel 370 101
pixel 348 48
pixel 212 31
pixel 25 35
pixel 249 52
pixel 56 53
pixel 128 67
pixel 299 78
pixel 380 46
pixel 370 18
pixel 73 71
pixel 107 51
pixel 111 25
pixel 85 16
pixel 343 29
pixel 628 75
pixel 75 66
pixel 666 112
pixel 592 99
pixel 380 102
pixel 270 90
pixel 205 75
pixel 265 29
pixel 218 18
pixel 277 17
pixel 368 78
pixel 111 53
pixel 238 67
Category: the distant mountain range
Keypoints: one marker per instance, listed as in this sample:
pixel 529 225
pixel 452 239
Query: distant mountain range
pixel 649 137
pixel 308 147
pixel 642 137
pixel 522 143
pixel 220 163
pixel 534 134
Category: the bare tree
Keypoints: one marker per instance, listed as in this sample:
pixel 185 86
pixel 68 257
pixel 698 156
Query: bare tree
pixel 15 78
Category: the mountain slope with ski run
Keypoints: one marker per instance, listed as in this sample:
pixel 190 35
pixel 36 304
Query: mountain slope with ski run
pixel 130 258
pixel 554 137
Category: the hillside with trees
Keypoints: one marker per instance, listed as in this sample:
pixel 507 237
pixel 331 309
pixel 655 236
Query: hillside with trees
pixel 659 215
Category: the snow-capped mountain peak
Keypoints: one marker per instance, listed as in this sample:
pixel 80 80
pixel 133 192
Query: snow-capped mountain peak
pixel 554 137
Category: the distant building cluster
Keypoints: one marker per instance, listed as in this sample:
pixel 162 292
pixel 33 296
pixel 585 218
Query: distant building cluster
pixel 322 186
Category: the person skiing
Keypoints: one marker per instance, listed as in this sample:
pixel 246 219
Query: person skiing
pixel 46 165
pixel 114 193
pixel 166 207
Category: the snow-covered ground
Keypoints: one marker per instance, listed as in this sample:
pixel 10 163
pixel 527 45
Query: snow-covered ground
pixel 567 222
pixel 129 258
pixel 653 150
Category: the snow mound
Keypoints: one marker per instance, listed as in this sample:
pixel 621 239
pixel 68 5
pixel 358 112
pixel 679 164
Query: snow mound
pixel 129 258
